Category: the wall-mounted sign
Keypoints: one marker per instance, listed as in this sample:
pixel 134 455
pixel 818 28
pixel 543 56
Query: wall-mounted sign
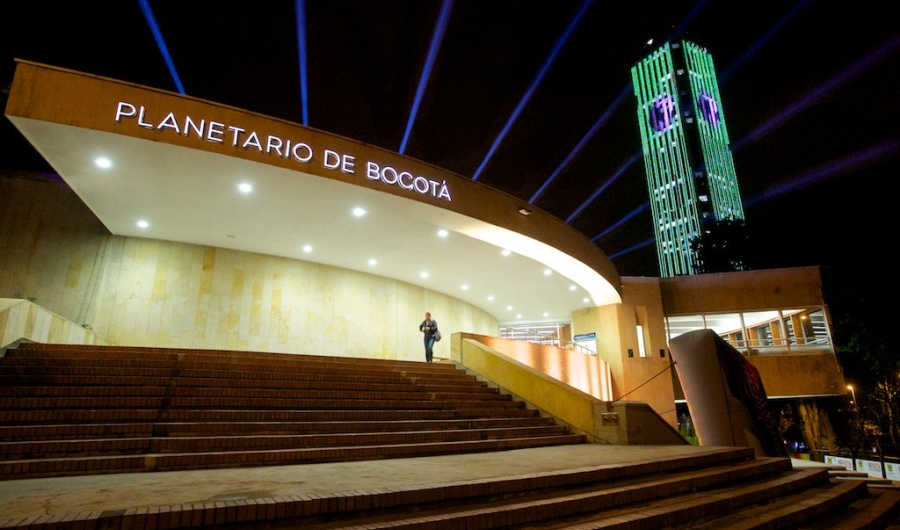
pixel 301 152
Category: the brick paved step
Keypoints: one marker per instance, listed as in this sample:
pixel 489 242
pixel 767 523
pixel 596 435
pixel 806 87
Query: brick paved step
pixel 727 489
pixel 62 385
pixel 27 417
pixel 235 361
pixel 122 430
pixel 299 372
pixel 56 467
pixel 537 500
pixel 80 409
pixel 763 491
pixel 193 444
pixel 335 400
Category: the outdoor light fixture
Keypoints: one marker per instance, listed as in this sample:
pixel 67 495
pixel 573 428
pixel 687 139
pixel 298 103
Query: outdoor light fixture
pixel 524 211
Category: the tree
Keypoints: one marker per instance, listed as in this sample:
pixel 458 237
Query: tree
pixel 861 325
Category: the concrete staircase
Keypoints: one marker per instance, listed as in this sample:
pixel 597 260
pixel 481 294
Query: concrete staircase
pixel 67 411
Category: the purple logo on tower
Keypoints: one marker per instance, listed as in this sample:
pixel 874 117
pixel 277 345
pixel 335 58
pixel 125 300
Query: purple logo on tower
pixel 709 109
pixel 662 113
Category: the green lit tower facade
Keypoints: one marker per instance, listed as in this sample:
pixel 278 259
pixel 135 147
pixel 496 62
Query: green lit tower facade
pixel 694 194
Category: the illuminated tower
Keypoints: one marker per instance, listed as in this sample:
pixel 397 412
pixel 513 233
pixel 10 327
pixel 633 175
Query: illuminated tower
pixel 693 187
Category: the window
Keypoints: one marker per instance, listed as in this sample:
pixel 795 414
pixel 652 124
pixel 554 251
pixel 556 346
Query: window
pixel 761 332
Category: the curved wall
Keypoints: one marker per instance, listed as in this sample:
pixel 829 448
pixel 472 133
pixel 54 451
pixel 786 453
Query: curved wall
pixel 145 292
pixel 65 115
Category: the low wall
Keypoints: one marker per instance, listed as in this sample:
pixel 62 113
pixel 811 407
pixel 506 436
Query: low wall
pixel 603 421
pixel 24 321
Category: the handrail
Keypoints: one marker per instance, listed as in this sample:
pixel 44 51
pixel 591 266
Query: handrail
pixel 770 346
pixel 544 339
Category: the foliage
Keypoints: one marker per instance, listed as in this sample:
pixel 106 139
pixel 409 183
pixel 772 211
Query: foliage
pixel 861 335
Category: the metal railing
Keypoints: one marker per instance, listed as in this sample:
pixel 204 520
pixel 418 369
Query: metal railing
pixel 770 346
pixel 545 340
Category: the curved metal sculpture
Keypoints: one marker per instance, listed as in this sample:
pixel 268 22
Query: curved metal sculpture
pixel 725 394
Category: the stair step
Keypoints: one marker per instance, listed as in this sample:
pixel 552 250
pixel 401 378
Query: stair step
pixel 73 411
pixel 84 409
pixel 120 430
pixel 56 467
pixel 185 444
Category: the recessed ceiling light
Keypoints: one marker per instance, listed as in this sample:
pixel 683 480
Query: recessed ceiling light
pixel 245 188
pixel 585 300
pixel 509 308
pixel 506 252
pixel 424 274
pixel 373 261
pixel 546 314
pixel 103 162
pixel 307 248
pixel 547 272
pixel 143 224
pixel 519 316
pixel 442 233
pixel 465 287
pixel 359 212
pixel 490 298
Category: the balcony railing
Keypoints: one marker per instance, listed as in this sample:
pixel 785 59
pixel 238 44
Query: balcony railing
pixel 545 340
pixel 769 346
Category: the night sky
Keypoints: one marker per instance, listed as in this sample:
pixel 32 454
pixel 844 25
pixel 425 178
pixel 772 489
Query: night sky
pixel 534 98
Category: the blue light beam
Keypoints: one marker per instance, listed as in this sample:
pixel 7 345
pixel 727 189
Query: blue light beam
pixel 698 7
pixel 763 40
pixel 584 140
pixel 161 43
pixel 622 221
pixel 625 167
pixel 436 39
pixel 835 168
pixel 867 62
pixel 300 13
pixel 632 248
pixel 534 84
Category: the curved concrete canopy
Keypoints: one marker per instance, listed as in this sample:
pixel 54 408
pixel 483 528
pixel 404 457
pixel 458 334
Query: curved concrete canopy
pixel 177 162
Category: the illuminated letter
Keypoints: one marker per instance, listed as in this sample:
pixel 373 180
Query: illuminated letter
pixel 331 160
pixel 237 133
pixel 384 175
pixel 296 152
pixel 348 164
pixel 407 185
pixel 169 122
pixel 253 140
pixel 214 133
pixel 372 171
pixel 189 124
pixel 141 121
pixel 125 110
pixel 273 143
pixel 445 193
pixel 421 184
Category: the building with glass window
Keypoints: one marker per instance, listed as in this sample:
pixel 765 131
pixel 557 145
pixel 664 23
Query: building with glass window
pixel 690 170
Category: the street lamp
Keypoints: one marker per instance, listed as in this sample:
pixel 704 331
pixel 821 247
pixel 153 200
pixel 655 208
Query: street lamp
pixel 853 395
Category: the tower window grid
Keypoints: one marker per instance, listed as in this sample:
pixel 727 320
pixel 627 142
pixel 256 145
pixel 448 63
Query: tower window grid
pixel 679 209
